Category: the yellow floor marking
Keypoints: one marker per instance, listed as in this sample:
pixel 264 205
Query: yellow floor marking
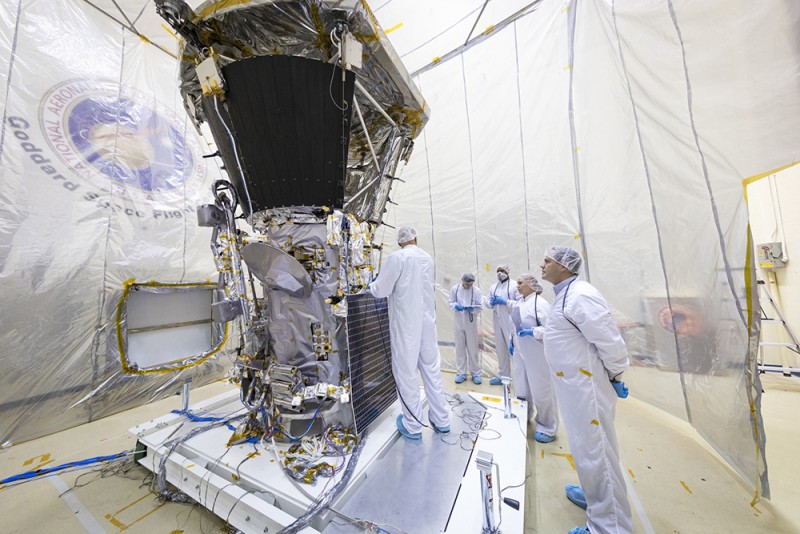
pixel 43 458
pixel 630 472
pixel 140 499
pixel 686 487
pixel 568 456
pixel 122 526
pixel 116 523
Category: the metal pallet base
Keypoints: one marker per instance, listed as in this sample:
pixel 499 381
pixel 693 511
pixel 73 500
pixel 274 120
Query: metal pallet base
pixel 431 485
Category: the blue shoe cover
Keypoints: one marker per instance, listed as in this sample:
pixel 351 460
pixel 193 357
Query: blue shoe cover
pixel 541 437
pixel 460 379
pixel 576 496
pixel 580 530
pixel 402 429
pixel 496 381
pixel 476 379
pixel 439 429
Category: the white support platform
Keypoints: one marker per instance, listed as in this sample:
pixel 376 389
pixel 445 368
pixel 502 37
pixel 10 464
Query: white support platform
pixel 246 486
pixel 510 453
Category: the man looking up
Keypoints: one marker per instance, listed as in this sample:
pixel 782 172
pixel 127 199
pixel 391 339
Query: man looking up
pixel 407 278
pixel 587 356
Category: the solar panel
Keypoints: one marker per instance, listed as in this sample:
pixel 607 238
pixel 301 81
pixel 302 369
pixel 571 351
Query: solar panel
pixel 370 358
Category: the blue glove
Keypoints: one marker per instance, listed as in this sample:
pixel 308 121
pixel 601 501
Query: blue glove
pixel 619 387
pixel 458 307
pixel 522 332
pixel 511 347
pixel 495 300
pixel 468 308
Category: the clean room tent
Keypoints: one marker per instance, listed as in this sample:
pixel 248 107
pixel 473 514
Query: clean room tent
pixel 75 228
pixel 624 129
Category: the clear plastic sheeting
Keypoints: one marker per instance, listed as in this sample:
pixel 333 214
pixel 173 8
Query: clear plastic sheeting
pixel 101 174
pixel 437 28
pixel 624 130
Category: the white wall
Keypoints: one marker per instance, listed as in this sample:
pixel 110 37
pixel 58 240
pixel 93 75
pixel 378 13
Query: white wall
pixel 774 216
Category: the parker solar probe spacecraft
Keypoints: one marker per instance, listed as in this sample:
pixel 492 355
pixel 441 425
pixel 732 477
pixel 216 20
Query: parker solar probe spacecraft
pixel 312 113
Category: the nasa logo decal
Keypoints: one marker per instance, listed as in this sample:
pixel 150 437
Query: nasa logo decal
pixel 113 136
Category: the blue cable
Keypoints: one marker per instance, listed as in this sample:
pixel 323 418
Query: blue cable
pixel 314 418
pixel 39 472
pixel 42 477
pixel 197 419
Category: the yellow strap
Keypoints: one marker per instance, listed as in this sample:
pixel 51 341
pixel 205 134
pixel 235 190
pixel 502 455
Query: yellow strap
pixel 757 177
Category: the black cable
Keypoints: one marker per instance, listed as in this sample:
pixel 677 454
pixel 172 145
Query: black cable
pixel 508 288
pixel 471 298
pixel 564 303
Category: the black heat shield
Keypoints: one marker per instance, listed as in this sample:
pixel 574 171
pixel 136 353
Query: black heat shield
pixel 284 114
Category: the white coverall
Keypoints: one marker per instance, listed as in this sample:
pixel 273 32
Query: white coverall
pixel 504 327
pixel 583 357
pixel 537 385
pixel 466 329
pixel 407 279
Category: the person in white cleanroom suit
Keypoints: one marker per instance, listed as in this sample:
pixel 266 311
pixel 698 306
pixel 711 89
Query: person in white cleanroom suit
pixel 465 300
pixel 530 317
pixel 407 278
pixel 501 298
pixel 587 356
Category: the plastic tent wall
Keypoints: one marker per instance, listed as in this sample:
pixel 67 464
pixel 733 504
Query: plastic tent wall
pixel 623 129
pixel 72 229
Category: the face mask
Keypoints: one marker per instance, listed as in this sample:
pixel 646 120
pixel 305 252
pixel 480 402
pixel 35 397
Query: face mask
pixel 502 276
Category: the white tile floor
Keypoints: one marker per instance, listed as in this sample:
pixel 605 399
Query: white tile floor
pixel 679 485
